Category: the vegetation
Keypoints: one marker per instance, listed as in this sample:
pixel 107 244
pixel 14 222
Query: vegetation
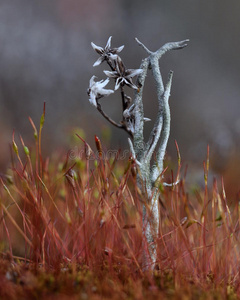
pixel 71 228
pixel 149 156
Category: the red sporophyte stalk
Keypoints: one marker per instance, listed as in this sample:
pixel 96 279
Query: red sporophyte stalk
pixel 76 214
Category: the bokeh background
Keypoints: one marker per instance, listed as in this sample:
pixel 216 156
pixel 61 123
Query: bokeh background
pixel 45 55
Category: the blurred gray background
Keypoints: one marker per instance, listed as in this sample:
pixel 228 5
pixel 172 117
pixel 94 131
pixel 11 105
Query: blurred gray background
pixel 45 55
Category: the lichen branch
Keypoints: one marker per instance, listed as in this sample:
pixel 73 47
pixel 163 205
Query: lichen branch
pixel 142 45
pixel 139 112
pixel 171 46
pixel 149 175
pixel 165 132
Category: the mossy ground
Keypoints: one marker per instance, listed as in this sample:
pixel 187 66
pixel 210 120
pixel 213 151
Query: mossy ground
pixel 71 228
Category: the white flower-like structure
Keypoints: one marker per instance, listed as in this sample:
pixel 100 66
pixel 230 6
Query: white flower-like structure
pixel 122 75
pixel 106 53
pixel 96 90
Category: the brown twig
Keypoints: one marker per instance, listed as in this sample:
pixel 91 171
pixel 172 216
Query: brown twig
pixel 122 126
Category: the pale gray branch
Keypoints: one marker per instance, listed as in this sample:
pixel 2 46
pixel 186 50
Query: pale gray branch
pixel 157 128
pixel 171 46
pixel 133 152
pixel 149 175
pixel 157 168
pixel 142 45
pixel 138 111
pixel 131 148
pixel 154 58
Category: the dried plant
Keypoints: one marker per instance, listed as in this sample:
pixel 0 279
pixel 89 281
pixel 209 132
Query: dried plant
pixel 149 174
pixel 85 225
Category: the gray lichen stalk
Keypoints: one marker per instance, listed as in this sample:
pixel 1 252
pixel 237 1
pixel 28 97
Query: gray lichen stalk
pixel 149 166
